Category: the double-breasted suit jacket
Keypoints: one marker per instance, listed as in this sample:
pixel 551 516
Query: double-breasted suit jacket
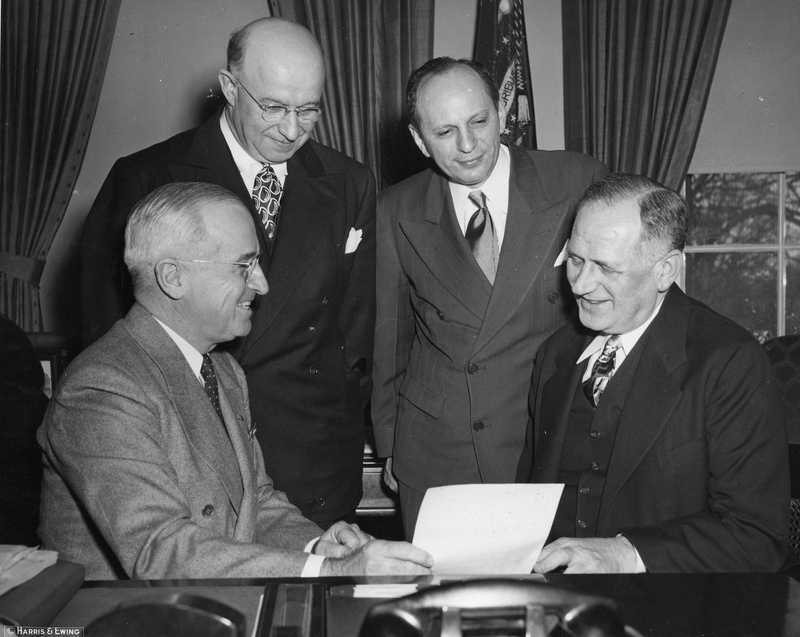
pixel 698 475
pixel 142 479
pixel 453 354
pixel 308 355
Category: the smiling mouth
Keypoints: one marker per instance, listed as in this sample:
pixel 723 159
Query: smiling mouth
pixel 245 305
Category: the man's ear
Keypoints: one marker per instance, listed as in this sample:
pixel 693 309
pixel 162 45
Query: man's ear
pixel 228 86
pixel 169 278
pixel 418 141
pixel 669 268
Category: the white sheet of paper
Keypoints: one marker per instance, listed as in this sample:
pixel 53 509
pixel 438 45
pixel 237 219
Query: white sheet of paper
pixel 486 528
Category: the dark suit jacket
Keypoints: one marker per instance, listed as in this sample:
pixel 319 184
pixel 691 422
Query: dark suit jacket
pixel 141 479
pixel 453 354
pixel 308 356
pixel 698 478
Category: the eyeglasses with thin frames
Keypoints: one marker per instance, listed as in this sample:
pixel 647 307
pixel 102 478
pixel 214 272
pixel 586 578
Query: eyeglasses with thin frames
pixel 272 113
pixel 250 266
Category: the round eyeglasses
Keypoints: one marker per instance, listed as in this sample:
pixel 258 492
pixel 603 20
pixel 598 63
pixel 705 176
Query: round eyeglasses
pixel 273 113
pixel 249 266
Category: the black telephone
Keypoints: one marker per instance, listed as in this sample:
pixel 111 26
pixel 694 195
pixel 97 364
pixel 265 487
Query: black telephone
pixel 495 607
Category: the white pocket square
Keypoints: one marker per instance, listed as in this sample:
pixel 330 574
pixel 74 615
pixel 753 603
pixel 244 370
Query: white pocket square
pixel 353 239
pixel 562 256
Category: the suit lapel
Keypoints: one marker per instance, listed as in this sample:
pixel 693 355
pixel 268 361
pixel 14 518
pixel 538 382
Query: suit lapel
pixel 532 225
pixel 310 202
pixel 652 397
pixel 440 244
pixel 198 418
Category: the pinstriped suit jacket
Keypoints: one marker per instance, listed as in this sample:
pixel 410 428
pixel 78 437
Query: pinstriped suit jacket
pixel 454 354
pixel 141 479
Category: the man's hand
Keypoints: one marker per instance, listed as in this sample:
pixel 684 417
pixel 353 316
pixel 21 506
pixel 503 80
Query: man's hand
pixel 591 555
pixel 388 475
pixel 341 540
pixel 380 557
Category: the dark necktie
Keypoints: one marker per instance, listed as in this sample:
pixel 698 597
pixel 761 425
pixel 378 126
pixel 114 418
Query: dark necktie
pixel 210 383
pixel 267 192
pixel 602 371
pixel 481 236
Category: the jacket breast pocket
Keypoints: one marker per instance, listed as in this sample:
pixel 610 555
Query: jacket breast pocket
pixel 421 397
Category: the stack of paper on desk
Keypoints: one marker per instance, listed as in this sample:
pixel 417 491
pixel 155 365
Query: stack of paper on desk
pixel 19 563
pixel 486 528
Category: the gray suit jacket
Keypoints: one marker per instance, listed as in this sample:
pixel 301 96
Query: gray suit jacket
pixel 454 354
pixel 141 479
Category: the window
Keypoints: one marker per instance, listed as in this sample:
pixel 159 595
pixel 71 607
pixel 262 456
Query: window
pixel 743 253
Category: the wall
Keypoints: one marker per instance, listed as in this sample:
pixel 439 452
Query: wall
pixel 752 118
pixel 161 79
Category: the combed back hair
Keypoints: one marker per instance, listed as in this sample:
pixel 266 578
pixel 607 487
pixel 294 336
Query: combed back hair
pixel 165 221
pixel 441 66
pixel 665 219
pixel 236 49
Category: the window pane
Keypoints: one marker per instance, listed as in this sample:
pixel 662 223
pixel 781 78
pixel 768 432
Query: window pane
pixel 739 285
pixel 793 208
pixel 793 291
pixel 733 208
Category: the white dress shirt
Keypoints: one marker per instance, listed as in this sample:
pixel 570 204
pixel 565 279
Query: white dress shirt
pixel 248 167
pixel 313 564
pixel 495 188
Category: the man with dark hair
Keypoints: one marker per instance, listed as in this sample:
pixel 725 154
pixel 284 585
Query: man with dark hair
pixel 151 467
pixel 470 282
pixel 661 417
pixel 308 357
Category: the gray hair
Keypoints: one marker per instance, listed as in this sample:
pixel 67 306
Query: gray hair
pixel 167 220
pixel 663 212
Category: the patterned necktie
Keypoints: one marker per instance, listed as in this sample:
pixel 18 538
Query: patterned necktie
pixel 481 236
pixel 267 193
pixel 210 383
pixel 602 371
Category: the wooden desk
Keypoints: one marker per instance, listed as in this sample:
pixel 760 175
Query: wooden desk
pixel 656 605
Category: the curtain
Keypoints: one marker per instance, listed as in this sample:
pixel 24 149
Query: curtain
pixel 637 74
pixel 370 48
pixel 54 55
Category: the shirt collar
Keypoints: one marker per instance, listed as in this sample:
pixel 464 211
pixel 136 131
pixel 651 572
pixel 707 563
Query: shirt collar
pixel 495 188
pixel 627 340
pixel 244 162
pixel 192 356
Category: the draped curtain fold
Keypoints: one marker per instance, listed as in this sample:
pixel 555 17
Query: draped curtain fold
pixel 637 74
pixel 370 49
pixel 54 55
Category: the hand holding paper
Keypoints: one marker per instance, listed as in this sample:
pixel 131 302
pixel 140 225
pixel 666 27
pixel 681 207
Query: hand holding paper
pixel 486 528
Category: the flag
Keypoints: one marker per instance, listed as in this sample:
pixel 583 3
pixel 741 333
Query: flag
pixel 501 46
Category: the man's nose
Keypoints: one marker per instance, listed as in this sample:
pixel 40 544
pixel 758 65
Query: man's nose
pixel 466 141
pixel 290 127
pixel 258 281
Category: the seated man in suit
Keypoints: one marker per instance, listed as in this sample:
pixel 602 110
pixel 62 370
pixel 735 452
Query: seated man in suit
pixel 151 466
pixel 661 417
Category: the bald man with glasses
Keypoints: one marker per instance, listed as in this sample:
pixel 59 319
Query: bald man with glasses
pixel 308 358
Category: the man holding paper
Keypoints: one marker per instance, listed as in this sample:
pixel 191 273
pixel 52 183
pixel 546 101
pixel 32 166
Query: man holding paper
pixel 661 417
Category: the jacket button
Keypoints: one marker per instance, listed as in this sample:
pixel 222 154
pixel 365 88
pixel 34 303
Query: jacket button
pixel 478 426
pixel 440 314
pixel 313 370
pixel 584 490
pixel 473 368
pixel 553 297
pixel 208 510
pixel 594 433
pixel 595 466
pixel 582 524
pixel 326 301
